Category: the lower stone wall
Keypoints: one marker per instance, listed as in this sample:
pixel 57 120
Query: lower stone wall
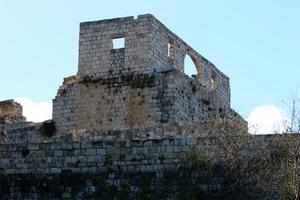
pixel 132 169
pixel 94 156
pixel 107 185
pixel 101 169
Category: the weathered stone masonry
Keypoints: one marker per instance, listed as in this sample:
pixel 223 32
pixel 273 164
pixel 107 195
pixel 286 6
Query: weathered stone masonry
pixel 89 156
pixel 10 112
pixel 129 109
pixel 140 85
pixel 31 170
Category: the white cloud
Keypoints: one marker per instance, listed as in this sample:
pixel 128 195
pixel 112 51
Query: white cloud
pixel 267 119
pixel 35 111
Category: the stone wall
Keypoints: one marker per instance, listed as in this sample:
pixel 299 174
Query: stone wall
pixel 91 156
pixel 101 169
pixel 129 112
pixel 133 101
pixel 25 132
pixel 139 85
pixel 11 112
pixel 64 104
pixel 96 46
pixel 95 168
pixel 208 74
pixel 102 186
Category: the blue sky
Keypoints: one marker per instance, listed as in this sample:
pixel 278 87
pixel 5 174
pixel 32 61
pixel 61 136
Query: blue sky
pixel 256 43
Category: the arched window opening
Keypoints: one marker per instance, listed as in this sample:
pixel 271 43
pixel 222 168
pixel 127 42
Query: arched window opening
pixel 190 68
pixel 213 81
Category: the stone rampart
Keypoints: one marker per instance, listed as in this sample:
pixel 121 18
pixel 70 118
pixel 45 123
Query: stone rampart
pixel 90 156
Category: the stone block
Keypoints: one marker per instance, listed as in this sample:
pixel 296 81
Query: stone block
pixel 55 170
pixel 191 141
pixel 165 142
pixel 113 151
pixel 90 152
pixel 45 146
pixel 147 143
pixel 77 152
pixel 67 145
pixel 58 153
pixel 101 152
pixel 97 144
pixel 76 145
pixel 179 141
pixel 4 147
pixel 33 147
pixel 86 145
pixel 56 145
pixel 68 152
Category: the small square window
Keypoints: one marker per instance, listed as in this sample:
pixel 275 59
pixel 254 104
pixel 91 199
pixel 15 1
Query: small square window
pixel 118 43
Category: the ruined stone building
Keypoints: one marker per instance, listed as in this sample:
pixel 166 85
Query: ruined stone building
pixel 11 112
pixel 132 102
pixel 139 85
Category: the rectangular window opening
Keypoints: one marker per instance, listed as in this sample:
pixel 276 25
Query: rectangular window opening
pixel 171 50
pixel 118 43
pixel 213 81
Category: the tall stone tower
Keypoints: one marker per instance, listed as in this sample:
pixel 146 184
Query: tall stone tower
pixel 140 83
